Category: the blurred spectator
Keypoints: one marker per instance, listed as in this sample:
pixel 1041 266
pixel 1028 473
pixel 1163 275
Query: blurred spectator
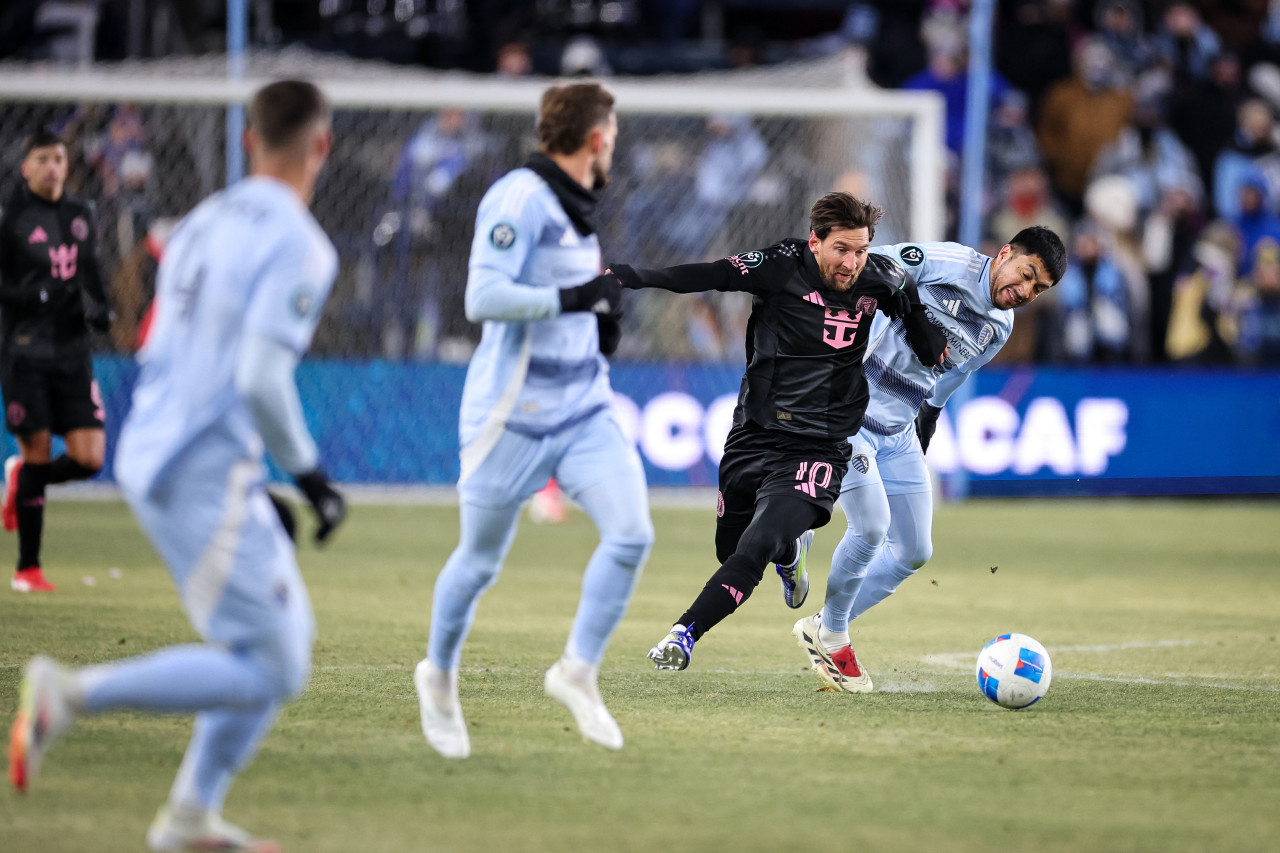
pixel 1111 203
pixel 1184 43
pixel 1119 27
pixel 946 73
pixel 1168 241
pixel 1093 303
pixel 1199 296
pixel 583 57
pixel 1253 151
pixel 123 165
pixel 1204 113
pixel 1011 143
pixel 1027 201
pixel 1255 222
pixel 1033 43
pixel 1257 309
pixel 1150 155
pixel 1080 116
pixel 514 60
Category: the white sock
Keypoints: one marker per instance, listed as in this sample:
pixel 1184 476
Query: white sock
pixel 832 640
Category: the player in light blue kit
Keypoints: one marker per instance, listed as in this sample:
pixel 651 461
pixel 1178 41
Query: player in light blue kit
pixel 239 293
pixel 886 494
pixel 536 404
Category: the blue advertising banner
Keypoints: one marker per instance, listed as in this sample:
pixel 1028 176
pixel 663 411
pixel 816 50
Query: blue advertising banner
pixel 1032 431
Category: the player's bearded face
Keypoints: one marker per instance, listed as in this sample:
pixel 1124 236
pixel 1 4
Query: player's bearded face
pixel 1017 279
pixel 603 163
pixel 45 171
pixel 841 256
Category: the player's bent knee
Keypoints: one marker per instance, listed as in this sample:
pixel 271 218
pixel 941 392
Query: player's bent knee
pixel 918 554
pixel 628 552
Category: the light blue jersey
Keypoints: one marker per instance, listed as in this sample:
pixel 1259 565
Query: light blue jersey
pixel 536 371
pixel 248 260
pixel 955 287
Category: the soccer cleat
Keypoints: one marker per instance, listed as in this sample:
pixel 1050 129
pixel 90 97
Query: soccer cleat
pixel 44 713
pixel 442 721
pixel 674 650
pixel 795 580
pixel 9 507
pixel 575 688
pixel 192 828
pixel 31 579
pixel 840 668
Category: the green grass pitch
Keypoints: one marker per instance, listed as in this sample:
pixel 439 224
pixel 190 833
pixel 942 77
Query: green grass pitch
pixel 1161 731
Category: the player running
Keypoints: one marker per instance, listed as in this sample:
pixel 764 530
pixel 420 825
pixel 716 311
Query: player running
pixel 803 394
pixel 240 291
pixel 537 404
pixel 886 493
pixel 51 294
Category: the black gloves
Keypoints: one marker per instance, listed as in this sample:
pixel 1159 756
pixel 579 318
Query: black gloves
pixel 897 303
pixel 329 506
pixel 98 317
pixel 926 423
pixel 601 295
pixel 287 519
pixel 928 342
pixel 609 327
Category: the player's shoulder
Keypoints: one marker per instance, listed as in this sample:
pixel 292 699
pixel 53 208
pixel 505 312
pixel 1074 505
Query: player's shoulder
pixel 775 261
pixel 515 193
pixel 885 268
pixel 935 259
pixel 79 204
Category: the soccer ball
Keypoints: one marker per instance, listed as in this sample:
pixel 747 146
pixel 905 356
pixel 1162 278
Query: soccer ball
pixel 1014 671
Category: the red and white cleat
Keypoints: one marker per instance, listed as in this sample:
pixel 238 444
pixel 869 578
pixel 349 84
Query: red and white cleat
pixel 31 579
pixel 44 713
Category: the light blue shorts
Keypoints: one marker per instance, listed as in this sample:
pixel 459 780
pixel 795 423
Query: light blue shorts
pixel 893 461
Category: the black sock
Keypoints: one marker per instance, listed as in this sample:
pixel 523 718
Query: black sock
pixel 728 588
pixel 30 499
pixel 65 469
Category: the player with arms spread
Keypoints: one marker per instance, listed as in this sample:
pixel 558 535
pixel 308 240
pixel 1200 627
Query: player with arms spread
pixel 885 493
pixel 51 294
pixel 239 293
pixel 536 404
pixel 802 395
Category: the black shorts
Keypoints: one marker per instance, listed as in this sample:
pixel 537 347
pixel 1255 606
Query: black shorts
pixel 758 463
pixel 58 396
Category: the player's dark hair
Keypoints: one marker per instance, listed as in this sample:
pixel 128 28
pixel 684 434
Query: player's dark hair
pixel 1040 241
pixel 569 113
pixel 280 111
pixel 843 210
pixel 42 137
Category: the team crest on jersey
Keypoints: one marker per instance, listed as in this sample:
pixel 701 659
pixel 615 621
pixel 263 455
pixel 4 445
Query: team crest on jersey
pixel 860 463
pixel 503 235
pixel 751 260
pixel 866 305
pixel 988 332
pixel 79 228
pixel 912 256
pixel 303 301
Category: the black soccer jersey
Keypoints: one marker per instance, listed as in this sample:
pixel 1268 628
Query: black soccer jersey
pixel 805 342
pixel 48 259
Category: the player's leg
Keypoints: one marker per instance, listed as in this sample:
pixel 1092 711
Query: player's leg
pixel 490 495
pixel 866 510
pixel 602 472
pixel 26 479
pixel 77 415
pixel 908 547
pixel 86 449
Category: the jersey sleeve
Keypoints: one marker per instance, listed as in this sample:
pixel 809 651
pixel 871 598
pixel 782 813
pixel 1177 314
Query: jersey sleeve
pixel 759 272
pixel 290 292
pixel 507 227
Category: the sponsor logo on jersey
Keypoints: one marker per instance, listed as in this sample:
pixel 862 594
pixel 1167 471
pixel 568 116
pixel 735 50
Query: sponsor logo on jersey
pixel 79 228
pixel 912 256
pixel 569 238
pixel 860 463
pixel 38 236
pixel 503 235
pixel 838 329
pixel 952 306
pixel 988 332
pixel 751 260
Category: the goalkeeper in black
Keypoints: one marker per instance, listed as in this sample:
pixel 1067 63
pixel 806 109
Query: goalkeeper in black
pixel 51 295
pixel 803 395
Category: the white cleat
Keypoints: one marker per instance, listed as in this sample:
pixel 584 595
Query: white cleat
pixel 839 668
pixel 794 575
pixel 45 712
pixel 187 828
pixel 442 720
pixel 573 685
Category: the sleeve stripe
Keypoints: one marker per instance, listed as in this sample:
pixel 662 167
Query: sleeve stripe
pixel 517 194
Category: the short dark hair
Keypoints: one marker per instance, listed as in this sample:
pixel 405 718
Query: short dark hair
pixel 843 210
pixel 41 137
pixel 1042 242
pixel 569 113
pixel 280 111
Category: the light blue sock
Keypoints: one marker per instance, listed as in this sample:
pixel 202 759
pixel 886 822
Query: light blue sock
pixel 848 569
pixel 884 576
pixel 607 585
pixel 222 743
pixel 178 679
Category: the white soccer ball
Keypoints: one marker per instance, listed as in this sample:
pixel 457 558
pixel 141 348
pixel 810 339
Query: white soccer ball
pixel 1014 671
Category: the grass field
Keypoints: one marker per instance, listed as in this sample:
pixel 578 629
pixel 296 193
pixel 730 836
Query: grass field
pixel 1161 731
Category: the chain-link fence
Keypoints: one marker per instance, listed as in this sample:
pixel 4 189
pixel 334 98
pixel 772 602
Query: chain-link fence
pixel 698 173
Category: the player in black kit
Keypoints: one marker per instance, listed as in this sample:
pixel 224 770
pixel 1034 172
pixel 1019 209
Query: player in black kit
pixel 804 393
pixel 48 266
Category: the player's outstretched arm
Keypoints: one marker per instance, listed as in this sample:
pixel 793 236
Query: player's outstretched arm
pixel 684 278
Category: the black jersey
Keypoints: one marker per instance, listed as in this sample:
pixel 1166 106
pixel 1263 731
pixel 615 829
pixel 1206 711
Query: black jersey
pixel 805 343
pixel 48 261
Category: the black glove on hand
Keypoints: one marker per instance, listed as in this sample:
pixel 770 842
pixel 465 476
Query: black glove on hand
pixel 896 303
pixel 329 506
pixel 99 317
pixel 928 342
pixel 609 327
pixel 287 519
pixel 601 295
pixel 926 423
